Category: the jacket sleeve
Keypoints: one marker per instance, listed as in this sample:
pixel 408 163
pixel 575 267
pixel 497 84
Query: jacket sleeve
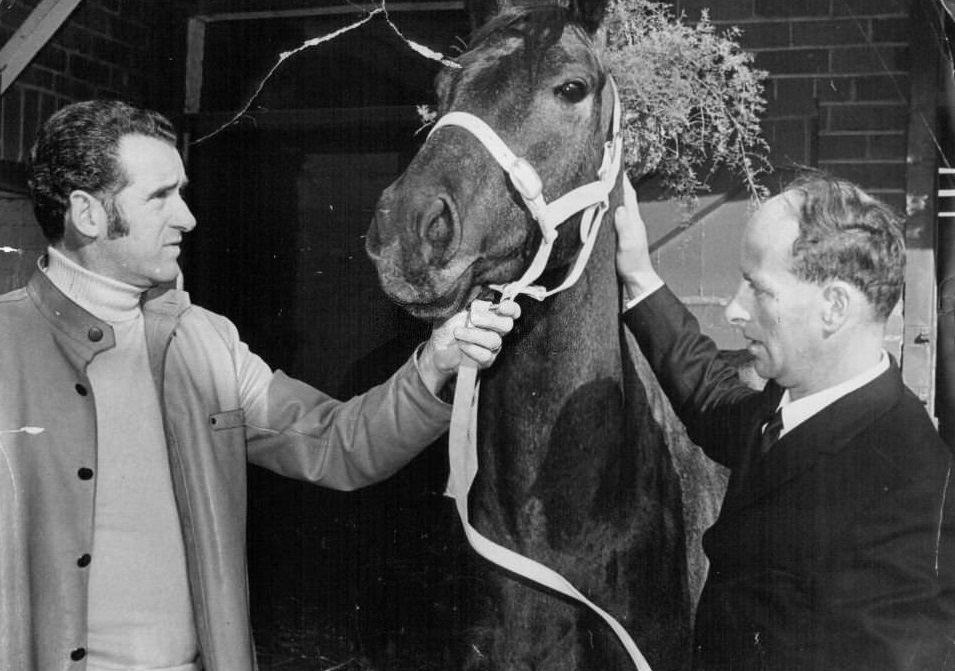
pixel 706 392
pixel 301 432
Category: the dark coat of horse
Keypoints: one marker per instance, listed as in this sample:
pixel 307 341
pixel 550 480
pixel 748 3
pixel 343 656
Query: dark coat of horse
pixel 574 470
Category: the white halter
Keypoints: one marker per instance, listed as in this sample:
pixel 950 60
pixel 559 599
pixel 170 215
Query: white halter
pixel 592 198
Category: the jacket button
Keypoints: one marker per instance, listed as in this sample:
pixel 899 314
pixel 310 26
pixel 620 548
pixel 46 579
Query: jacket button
pixel 80 389
pixel 85 473
pixel 78 654
pixel 95 334
pixel 84 561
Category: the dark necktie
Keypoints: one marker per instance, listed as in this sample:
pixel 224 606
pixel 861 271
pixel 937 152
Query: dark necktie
pixel 771 431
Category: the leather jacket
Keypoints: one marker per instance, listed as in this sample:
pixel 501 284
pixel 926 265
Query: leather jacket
pixel 48 461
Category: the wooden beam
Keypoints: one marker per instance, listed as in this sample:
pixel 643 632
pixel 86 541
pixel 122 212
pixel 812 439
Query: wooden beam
pixel 45 19
pixel 357 8
pixel 919 303
pixel 396 116
pixel 195 52
pixel 295 118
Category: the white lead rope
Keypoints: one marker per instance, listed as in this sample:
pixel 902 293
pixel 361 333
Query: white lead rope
pixel 593 201
pixel 462 452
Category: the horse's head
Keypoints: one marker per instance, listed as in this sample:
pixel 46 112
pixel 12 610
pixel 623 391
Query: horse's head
pixel 454 222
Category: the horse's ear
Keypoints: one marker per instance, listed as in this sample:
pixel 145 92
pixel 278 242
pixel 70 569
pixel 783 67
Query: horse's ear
pixel 590 13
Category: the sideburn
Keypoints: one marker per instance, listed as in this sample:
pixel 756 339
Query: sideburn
pixel 116 224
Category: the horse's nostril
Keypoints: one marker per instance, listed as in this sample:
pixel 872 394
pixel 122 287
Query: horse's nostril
pixel 437 224
pixel 439 230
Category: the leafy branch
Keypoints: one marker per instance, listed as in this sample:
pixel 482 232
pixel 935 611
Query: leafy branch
pixel 692 98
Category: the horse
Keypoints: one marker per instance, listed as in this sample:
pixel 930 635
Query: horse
pixel 575 470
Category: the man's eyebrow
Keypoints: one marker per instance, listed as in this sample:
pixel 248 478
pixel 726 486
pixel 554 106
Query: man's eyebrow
pixel 753 282
pixel 168 188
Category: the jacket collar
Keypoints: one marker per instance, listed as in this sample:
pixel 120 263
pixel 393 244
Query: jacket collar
pixel 81 335
pixel 165 301
pixel 827 432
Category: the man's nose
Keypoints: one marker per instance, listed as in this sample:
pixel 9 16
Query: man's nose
pixel 735 311
pixel 185 220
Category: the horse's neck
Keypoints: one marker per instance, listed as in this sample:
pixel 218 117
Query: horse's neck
pixel 574 334
pixel 561 378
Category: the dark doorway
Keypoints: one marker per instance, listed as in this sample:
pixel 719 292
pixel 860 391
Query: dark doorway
pixel 283 199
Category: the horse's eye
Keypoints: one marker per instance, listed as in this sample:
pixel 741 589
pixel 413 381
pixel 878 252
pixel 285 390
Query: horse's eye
pixel 572 91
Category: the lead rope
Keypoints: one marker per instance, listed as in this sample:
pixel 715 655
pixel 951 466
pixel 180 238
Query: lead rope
pixel 462 452
pixel 593 199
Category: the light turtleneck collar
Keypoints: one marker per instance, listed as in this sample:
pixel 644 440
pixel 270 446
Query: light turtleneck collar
pixel 101 296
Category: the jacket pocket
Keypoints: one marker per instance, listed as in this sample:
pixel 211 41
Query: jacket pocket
pixel 228 419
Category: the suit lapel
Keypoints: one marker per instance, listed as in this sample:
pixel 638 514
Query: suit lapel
pixel 826 432
pixel 747 468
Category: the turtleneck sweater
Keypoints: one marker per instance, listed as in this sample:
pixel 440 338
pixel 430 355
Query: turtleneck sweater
pixel 139 609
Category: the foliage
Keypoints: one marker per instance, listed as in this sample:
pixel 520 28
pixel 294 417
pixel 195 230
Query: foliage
pixel 691 96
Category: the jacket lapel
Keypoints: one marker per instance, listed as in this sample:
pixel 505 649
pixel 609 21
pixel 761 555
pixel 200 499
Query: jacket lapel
pixel 826 432
pixel 162 308
pixel 747 466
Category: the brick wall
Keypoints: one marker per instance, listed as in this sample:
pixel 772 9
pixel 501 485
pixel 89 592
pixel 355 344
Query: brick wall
pixel 126 49
pixel 838 85
pixel 837 98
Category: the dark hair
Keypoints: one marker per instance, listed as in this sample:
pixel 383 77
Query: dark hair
pixel 846 234
pixel 78 148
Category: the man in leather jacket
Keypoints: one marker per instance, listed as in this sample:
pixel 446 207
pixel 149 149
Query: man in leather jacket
pixel 128 417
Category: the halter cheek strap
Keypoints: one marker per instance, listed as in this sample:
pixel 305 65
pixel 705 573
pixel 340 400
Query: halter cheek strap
pixel 593 199
pixel 521 173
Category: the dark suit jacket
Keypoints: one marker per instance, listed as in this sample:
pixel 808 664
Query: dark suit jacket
pixel 836 550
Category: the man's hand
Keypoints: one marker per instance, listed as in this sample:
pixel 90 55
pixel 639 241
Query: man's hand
pixel 633 252
pixel 475 335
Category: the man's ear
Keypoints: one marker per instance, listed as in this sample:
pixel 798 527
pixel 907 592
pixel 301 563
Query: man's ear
pixel 86 214
pixel 838 297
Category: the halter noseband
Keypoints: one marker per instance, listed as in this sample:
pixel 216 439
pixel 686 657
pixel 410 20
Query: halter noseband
pixel 592 199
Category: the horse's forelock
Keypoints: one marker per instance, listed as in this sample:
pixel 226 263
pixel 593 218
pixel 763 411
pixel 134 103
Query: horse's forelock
pixel 532 31
pixel 538 27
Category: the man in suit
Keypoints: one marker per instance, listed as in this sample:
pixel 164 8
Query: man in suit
pixel 835 546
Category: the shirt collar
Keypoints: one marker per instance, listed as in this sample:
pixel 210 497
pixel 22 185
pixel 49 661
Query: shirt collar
pixel 796 412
